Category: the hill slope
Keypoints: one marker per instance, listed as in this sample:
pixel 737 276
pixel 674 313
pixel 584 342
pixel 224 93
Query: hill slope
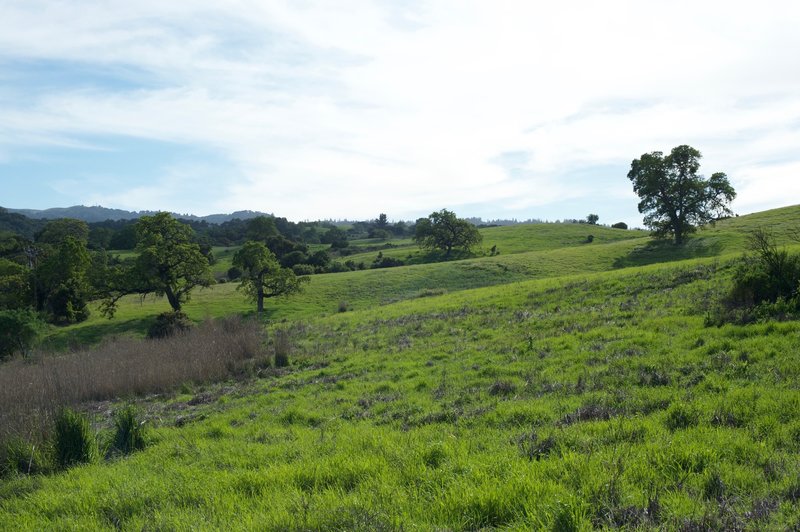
pixel 597 400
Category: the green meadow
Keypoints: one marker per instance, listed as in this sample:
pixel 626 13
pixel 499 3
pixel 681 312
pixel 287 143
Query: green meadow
pixel 560 385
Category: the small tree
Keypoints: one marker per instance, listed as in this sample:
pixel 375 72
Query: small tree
pixel 19 330
pixel 674 199
pixel 443 230
pixel 592 219
pixel 262 274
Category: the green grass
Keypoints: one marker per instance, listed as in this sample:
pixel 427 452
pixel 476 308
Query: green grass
pixel 577 389
pixel 553 250
pixel 593 400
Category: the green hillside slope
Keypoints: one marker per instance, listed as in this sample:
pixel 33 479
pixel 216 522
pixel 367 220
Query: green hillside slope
pixel 596 400
pixel 541 251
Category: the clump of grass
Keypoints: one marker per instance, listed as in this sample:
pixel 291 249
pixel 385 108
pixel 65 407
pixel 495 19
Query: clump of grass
pixel 73 440
pixel 282 344
pixel 20 457
pixel 681 416
pixel 130 431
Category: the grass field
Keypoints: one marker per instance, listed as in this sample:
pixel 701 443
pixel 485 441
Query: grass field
pixel 577 389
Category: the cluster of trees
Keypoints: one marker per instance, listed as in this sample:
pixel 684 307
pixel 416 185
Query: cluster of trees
pixel 53 276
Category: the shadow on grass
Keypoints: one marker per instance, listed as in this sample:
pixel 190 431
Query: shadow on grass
pixel 666 251
pixel 88 335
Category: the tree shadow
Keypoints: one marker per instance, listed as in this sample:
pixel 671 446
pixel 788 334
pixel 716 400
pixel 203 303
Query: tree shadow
pixel 74 338
pixel 660 250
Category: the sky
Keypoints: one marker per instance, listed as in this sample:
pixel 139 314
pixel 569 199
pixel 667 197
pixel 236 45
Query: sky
pixel 347 109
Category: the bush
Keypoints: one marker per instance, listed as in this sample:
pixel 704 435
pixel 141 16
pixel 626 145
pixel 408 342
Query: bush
pixel 19 330
pixel 234 273
pixel 590 239
pixel 765 285
pixel 387 262
pixel 130 431
pixel 169 323
pixel 343 306
pixel 74 442
pixel 619 225
pixel 303 269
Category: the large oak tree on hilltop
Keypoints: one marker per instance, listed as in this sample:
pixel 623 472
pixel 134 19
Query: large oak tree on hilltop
pixel 674 199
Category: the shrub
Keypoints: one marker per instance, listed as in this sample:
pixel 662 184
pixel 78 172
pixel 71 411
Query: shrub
pixel 386 262
pixel 169 323
pixel 765 285
pixel 74 441
pixel 234 273
pixel 19 330
pixel 343 306
pixel 619 225
pixel 130 431
pixel 590 239
pixel 303 269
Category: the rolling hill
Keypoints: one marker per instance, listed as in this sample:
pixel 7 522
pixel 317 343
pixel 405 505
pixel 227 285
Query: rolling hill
pixel 566 386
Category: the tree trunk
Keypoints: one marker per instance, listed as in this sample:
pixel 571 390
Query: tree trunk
pixel 260 300
pixel 173 299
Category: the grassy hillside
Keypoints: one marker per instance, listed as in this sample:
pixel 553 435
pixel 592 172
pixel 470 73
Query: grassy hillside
pixel 597 400
pixel 539 251
pixel 578 388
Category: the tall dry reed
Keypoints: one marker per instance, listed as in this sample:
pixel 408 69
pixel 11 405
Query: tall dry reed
pixel 32 390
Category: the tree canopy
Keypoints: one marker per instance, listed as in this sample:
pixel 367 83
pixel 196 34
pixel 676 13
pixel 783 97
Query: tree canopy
pixel 169 263
pixel 674 199
pixel 443 230
pixel 262 274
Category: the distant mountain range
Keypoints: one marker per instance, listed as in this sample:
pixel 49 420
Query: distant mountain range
pixel 101 214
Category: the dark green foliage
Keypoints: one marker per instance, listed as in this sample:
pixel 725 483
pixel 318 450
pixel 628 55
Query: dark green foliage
pixel 590 239
pixel 335 237
pixel 234 273
pixel 674 199
pixel 386 262
pixel 619 225
pixel 130 431
pixel 444 231
pixel 592 219
pixel 73 440
pixel 19 330
pixel 15 285
pixel 262 274
pixel 765 284
pixel 168 324
pixel 57 231
pixel 168 263
pixel 62 281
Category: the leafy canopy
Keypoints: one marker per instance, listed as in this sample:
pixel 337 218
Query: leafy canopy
pixel 443 230
pixel 169 263
pixel 674 199
pixel 262 274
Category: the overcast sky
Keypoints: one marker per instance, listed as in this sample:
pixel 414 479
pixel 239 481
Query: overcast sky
pixel 345 109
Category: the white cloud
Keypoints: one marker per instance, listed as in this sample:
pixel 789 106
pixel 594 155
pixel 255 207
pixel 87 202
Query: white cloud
pixel 343 109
